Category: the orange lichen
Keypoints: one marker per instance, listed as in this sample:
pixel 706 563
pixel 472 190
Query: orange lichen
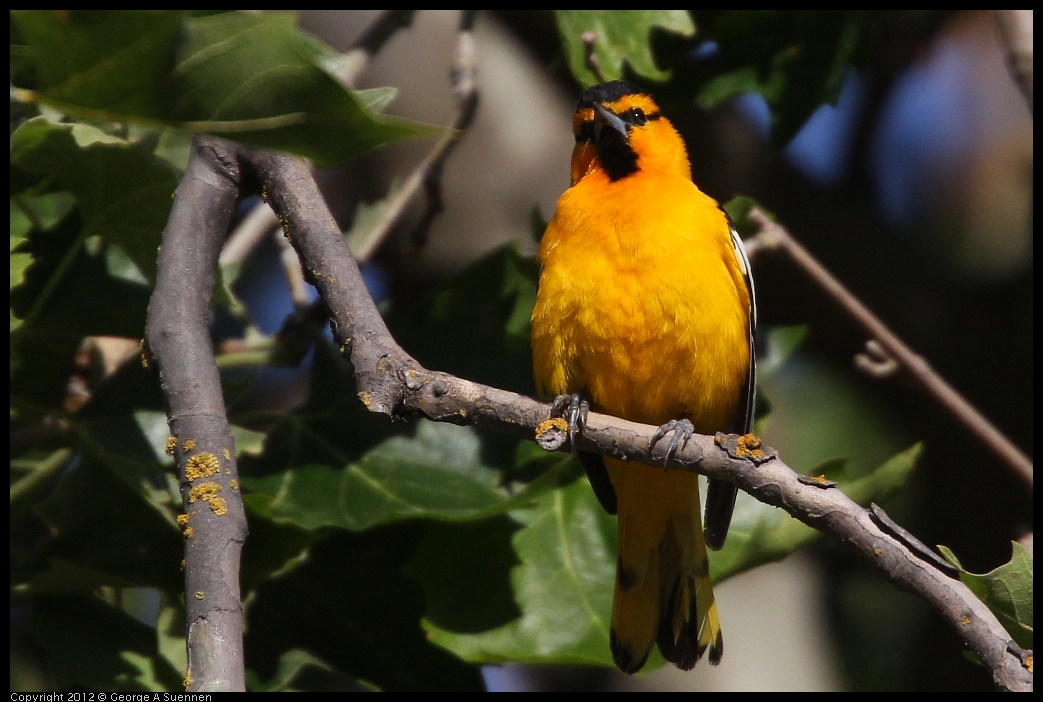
pixel 749 446
pixel 188 678
pixel 227 454
pixel 746 446
pixel 219 506
pixel 199 594
pixel 234 484
pixel 188 532
pixel 548 424
pixel 189 445
pixel 182 520
pixel 202 466
pixel 171 445
pixel 204 491
pixel 966 620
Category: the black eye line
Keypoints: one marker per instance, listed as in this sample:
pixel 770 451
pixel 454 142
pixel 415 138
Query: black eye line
pixel 635 116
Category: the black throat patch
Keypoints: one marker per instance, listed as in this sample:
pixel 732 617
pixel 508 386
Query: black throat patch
pixel 617 157
pixel 614 151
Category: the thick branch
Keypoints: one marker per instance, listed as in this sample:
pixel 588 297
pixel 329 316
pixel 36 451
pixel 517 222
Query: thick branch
pixel 393 385
pixel 774 237
pixel 178 335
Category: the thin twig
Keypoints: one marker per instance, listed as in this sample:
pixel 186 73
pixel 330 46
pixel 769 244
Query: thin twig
pixel 376 35
pixel 394 386
pixel 428 173
pixel 248 235
pixel 1015 28
pixel 177 332
pixel 590 39
pixel 773 236
pixel 291 266
pixel 875 361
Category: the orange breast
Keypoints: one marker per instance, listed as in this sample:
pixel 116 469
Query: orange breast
pixel 641 303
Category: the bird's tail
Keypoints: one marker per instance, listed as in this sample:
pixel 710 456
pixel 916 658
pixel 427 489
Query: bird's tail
pixel 663 589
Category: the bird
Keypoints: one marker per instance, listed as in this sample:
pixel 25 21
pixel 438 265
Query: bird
pixel 645 310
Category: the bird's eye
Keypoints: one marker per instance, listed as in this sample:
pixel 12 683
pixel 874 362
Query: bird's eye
pixel 636 116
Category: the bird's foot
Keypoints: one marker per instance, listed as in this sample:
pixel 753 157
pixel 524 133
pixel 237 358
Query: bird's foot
pixel 573 409
pixel 683 431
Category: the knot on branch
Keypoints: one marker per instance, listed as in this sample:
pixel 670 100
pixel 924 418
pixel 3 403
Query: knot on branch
pixel 384 389
pixel 745 447
pixel 552 433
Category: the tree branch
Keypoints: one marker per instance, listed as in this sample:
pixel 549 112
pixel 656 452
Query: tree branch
pixel 886 346
pixel 394 386
pixel 428 173
pixel 177 332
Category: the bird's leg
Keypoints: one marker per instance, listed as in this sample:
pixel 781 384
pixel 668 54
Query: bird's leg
pixel 682 429
pixel 573 409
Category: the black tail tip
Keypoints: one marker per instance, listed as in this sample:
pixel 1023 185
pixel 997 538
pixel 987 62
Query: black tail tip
pixel 624 657
pixel 717 650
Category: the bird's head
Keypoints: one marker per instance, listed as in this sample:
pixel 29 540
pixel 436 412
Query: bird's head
pixel 619 130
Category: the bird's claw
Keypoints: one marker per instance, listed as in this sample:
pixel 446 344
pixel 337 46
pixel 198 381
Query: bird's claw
pixel 683 431
pixel 573 409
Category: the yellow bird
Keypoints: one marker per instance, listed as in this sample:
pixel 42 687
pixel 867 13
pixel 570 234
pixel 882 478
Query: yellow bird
pixel 645 311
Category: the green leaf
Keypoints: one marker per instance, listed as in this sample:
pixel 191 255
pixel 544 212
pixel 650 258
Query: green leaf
pixel 1006 591
pixel 465 570
pixel 622 35
pixel 350 606
pixel 42 212
pixel 296 672
pixel 256 78
pixel 477 325
pixel 92 645
pixel 123 190
pixel 98 523
pixel 563 585
pixel 34 477
pixel 436 473
pixel 273 548
pixel 68 294
pixel 111 61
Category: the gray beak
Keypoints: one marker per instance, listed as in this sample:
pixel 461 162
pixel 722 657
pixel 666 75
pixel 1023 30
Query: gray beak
pixel 605 119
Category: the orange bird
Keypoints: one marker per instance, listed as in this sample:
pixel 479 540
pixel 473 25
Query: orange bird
pixel 645 310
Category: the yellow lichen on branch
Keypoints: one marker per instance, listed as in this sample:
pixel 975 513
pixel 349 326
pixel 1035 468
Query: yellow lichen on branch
pixel 202 466
pixel 204 492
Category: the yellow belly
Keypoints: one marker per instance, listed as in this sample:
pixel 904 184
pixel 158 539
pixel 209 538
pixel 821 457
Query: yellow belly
pixel 643 309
